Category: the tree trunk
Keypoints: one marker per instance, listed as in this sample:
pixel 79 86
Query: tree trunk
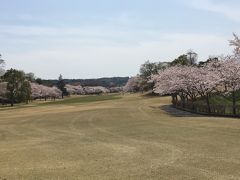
pixel 192 105
pixel 234 102
pixel 173 100
pixel 12 98
pixel 183 101
pixel 208 104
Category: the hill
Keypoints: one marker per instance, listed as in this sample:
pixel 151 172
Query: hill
pixel 105 82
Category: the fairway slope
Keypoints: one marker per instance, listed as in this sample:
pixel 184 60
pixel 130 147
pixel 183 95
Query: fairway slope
pixel 123 137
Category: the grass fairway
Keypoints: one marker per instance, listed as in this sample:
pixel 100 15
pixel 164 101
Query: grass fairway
pixel 131 137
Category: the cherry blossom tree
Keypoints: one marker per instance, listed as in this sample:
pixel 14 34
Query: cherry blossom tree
pixel 36 90
pixel 40 91
pixel 206 82
pixel 190 82
pixel 134 84
pixel 228 72
pixel 95 90
pixel 177 80
pixel 231 71
pixel 116 89
pixel 54 92
pixel 71 89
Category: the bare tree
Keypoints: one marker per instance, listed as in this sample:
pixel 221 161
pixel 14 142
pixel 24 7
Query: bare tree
pixel 192 57
pixel 2 65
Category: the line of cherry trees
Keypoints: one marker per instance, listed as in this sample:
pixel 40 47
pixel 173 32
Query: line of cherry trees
pixel 39 91
pixel 26 90
pixel 189 83
pixel 144 81
pixel 17 86
pixel 184 79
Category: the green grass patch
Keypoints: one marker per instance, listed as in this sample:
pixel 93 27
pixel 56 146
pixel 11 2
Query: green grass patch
pixel 65 101
pixel 219 100
pixel 82 99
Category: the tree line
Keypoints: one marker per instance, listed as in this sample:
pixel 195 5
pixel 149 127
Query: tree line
pixel 17 86
pixel 107 82
pixel 216 77
pixel 189 82
pixel 144 81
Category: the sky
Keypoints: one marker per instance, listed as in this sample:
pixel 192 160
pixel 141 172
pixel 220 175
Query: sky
pixel 105 38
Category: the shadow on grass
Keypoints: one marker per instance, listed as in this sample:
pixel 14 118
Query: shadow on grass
pixel 172 111
pixel 150 94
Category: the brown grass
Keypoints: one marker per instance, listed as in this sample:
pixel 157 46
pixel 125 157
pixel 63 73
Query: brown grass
pixel 130 138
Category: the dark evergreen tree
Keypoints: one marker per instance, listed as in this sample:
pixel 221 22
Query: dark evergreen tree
pixel 181 60
pixel 39 81
pixel 61 85
pixel 18 87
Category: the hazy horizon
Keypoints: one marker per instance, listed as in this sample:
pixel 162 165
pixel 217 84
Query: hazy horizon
pixel 94 39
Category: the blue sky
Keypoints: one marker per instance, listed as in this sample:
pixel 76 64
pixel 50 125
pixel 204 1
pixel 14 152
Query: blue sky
pixel 102 38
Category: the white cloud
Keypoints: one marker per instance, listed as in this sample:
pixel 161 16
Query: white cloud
pixel 107 46
pixel 98 34
pixel 106 59
pixel 226 8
